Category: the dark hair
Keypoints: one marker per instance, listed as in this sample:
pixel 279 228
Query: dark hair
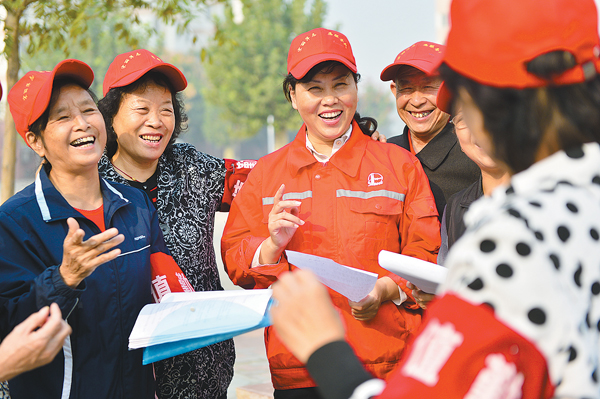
pixel 111 103
pixel 367 124
pixel 520 120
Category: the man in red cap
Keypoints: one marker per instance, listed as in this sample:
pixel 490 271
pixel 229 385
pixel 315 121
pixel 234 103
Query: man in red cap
pixel 428 133
pixel 518 316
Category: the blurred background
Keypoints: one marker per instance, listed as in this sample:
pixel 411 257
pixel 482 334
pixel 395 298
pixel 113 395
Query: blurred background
pixel 233 53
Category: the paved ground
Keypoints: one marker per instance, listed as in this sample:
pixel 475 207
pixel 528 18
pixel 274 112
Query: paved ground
pixel 251 365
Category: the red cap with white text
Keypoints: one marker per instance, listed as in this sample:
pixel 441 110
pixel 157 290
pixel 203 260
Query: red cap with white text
pixel 30 96
pixel 128 67
pixel 316 46
pixel 425 56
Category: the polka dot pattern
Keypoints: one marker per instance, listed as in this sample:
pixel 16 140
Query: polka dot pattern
pixel 504 270
pixel 523 249
pixel 532 253
pixel 563 233
pixel 487 246
pixel 537 316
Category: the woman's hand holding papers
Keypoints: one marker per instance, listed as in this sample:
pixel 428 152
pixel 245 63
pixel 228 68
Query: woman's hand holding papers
pixel 385 290
pixel 421 298
pixel 304 316
pixel 283 222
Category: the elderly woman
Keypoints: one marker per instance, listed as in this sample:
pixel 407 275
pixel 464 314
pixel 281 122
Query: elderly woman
pixel 333 192
pixel 74 239
pixel 519 313
pixel 144 114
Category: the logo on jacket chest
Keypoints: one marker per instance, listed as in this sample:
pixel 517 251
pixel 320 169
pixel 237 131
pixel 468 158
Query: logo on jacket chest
pixel 375 179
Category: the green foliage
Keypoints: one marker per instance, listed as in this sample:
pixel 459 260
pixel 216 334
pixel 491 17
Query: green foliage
pixel 246 65
pixel 378 104
pixel 97 46
pixel 62 25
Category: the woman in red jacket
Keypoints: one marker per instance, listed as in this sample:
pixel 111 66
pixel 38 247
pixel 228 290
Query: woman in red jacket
pixel 333 192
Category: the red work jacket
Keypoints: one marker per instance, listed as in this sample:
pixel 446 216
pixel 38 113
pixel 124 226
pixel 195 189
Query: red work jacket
pixel 370 196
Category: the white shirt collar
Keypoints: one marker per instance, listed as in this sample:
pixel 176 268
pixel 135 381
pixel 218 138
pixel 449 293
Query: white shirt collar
pixel 337 144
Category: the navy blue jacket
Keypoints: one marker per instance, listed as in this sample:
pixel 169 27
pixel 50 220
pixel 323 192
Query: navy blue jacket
pixel 95 361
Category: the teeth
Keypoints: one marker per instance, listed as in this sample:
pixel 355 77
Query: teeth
pixel 331 115
pixel 420 114
pixel 83 140
pixel 154 139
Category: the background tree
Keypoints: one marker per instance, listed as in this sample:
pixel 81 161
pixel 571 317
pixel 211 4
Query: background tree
pixel 247 63
pixel 378 103
pixel 58 25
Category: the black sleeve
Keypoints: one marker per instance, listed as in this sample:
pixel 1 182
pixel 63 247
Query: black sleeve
pixel 336 370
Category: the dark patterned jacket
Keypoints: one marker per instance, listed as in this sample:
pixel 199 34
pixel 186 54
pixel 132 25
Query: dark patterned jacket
pixel 190 189
pixel 448 168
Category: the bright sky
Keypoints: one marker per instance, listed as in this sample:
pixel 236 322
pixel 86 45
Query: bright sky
pixel 379 29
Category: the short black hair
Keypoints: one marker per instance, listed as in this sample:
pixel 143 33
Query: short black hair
pixel 111 103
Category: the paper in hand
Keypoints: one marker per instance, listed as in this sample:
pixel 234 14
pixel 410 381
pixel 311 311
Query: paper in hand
pixel 425 275
pixel 354 284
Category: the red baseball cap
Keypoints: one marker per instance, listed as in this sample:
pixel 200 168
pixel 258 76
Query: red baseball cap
pixel 128 67
pixel 491 41
pixel 444 99
pixel 318 45
pixel 30 96
pixel 425 56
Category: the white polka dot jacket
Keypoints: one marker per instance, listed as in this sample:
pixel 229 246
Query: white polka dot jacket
pixel 519 313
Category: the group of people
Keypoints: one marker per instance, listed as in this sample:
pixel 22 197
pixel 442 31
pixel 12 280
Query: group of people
pixel 120 214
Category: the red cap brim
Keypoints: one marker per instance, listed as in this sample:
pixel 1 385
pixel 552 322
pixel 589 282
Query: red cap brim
pixel 173 74
pixel 444 99
pixel 70 68
pixel 309 62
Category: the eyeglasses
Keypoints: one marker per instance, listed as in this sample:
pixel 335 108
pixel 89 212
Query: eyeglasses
pixel 458 122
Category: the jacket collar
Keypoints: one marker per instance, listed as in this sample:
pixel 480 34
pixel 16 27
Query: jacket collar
pixel 578 166
pixel 53 205
pixel 347 159
pixel 434 153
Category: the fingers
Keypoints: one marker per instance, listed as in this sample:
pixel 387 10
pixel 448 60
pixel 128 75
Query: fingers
pixel 366 309
pixel 75 234
pixel 81 258
pixel 34 321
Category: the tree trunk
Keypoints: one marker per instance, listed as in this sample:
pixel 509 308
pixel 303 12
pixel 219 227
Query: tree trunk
pixel 9 159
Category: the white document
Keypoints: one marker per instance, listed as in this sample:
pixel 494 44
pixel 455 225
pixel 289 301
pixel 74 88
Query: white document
pixel 425 275
pixel 354 284
pixel 190 315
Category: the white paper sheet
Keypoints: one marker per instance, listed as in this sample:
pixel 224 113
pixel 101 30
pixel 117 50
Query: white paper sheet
pixel 425 275
pixel 198 314
pixel 354 284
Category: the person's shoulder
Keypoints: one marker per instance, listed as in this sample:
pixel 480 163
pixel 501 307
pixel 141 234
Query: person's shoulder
pixel 127 193
pixel 399 140
pixel 395 153
pixel 20 202
pixel 184 155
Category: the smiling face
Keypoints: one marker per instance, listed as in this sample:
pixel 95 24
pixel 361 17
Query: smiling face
pixel 416 94
pixel 327 104
pixel 144 125
pixel 74 137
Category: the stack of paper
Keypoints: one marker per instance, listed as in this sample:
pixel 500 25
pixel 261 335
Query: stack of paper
pixel 425 275
pixel 186 321
pixel 354 284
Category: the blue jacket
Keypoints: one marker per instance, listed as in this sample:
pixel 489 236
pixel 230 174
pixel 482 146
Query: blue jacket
pixel 95 361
